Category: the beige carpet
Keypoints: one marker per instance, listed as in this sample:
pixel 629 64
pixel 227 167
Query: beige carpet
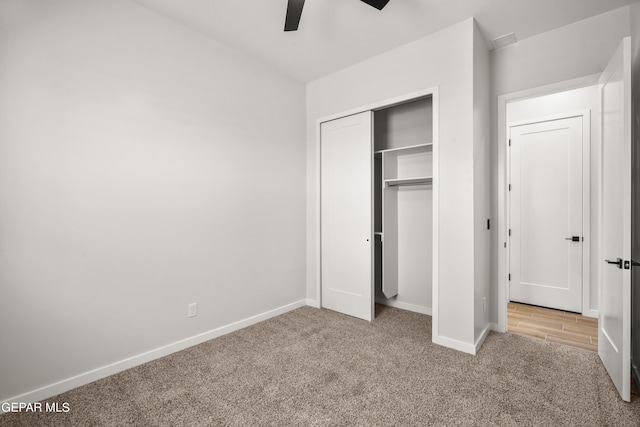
pixel 317 367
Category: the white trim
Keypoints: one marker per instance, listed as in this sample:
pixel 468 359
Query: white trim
pixel 404 305
pixel 130 362
pixel 433 92
pixel 482 337
pixel 455 344
pixel 313 303
pixel 590 313
pixel 586 211
pixel 503 265
pixel 318 215
pixel 372 219
pixel 435 232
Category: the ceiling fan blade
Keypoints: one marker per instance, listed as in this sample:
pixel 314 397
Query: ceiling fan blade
pixel 378 4
pixel 294 11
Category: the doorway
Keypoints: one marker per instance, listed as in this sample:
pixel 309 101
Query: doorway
pixel 576 98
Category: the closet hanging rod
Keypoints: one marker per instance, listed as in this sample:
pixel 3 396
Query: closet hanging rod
pixel 406 184
pixel 408 181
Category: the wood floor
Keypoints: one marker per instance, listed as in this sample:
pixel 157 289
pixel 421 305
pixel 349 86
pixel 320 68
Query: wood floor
pixel 553 325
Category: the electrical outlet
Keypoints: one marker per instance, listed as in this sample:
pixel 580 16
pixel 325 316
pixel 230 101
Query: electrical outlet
pixel 192 310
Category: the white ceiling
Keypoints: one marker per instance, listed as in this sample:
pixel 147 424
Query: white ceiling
pixel 334 34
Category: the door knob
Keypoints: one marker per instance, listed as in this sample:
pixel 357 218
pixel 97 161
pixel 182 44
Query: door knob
pixel 617 262
pixel 573 238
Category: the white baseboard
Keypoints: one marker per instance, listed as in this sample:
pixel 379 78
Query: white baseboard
pixel 455 344
pixel 113 368
pixel 590 313
pixel 496 327
pixel 405 306
pixel 483 336
pixel 463 346
pixel 313 303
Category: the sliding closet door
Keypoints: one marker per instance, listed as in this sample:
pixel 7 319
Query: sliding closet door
pixel 346 215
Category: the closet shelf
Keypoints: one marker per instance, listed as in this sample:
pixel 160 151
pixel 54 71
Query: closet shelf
pixel 408 181
pixel 408 147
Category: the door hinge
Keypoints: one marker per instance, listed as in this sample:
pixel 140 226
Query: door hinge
pixel 509 142
pixel 509 187
pixel 509 276
pixel 509 232
pixel 488 224
pixel 505 245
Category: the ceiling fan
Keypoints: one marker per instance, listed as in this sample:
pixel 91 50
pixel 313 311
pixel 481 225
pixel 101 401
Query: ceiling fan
pixel 294 11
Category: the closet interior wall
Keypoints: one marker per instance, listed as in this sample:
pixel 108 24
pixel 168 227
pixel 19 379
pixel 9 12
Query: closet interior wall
pixel 403 195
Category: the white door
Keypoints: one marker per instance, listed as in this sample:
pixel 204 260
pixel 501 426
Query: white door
pixel 545 258
pixel 346 230
pixel 614 314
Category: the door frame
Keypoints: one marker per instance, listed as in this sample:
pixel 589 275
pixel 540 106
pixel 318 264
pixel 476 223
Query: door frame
pixel 586 196
pixel 430 91
pixel 502 266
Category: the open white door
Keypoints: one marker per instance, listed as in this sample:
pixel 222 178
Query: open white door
pixel 346 230
pixel 614 317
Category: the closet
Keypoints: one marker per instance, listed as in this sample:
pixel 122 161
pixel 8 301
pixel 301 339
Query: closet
pixel 403 159
pixel 376 191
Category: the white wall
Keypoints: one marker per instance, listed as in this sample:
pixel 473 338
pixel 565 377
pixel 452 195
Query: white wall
pixel 577 50
pixel 572 101
pixel 444 59
pixel 482 184
pixel 142 168
pixel 569 52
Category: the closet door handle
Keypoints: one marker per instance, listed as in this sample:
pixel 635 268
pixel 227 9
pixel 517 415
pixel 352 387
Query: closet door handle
pixel 617 262
pixel 573 238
